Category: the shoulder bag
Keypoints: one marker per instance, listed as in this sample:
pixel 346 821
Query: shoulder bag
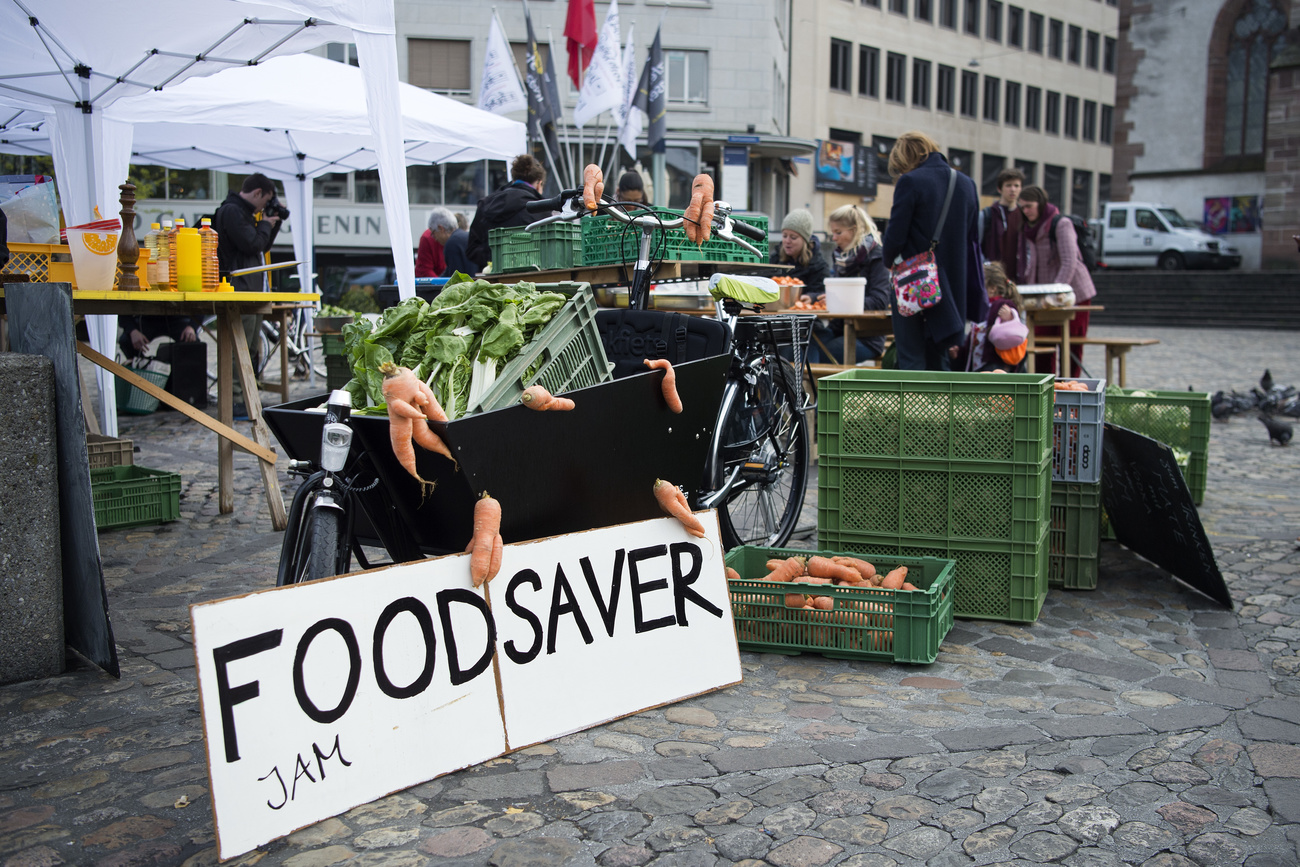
pixel 916 279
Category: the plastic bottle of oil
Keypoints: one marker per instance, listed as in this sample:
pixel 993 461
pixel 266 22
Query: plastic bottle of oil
pixel 210 269
pixel 161 276
pixel 151 245
pixel 171 254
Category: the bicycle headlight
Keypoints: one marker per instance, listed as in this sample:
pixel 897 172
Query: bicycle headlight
pixel 334 444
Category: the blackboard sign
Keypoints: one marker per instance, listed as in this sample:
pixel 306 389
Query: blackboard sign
pixel 1152 513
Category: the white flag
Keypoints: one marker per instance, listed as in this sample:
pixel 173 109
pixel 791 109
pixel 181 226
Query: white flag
pixel 602 88
pixel 500 91
pixel 629 116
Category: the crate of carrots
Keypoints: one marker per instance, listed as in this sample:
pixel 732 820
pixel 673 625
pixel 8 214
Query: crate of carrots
pixel 889 609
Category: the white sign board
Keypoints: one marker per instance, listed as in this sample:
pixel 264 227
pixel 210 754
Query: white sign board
pixel 320 697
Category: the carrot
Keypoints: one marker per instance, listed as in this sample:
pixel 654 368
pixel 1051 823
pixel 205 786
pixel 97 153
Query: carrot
pixel 693 222
pixel 673 502
pixel 908 585
pixel 894 580
pixel 824 567
pixel 732 574
pixel 706 212
pixel 865 569
pixel 785 570
pixel 825 603
pixel 593 186
pixel 498 550
pixel 669 385
pixel 487 530
pixel 795 600
pixel 813 579
pixel 538 398
pixel 424 435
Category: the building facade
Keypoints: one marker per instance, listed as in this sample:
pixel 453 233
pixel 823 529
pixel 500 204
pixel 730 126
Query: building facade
pixel 996 84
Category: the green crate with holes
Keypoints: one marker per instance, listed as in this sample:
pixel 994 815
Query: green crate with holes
pixel 1073 543
pixel 1180 419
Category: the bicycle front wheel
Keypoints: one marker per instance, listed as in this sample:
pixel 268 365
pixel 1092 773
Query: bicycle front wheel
pixel 767 449
pixel 319 549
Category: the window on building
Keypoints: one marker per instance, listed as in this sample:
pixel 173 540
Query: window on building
pixel 189 184
pixel 1035 33
pixel 441 65
pixel 1054 183
pixel 150 181
pixel 899 6
pixel 1015 27
pixel 780 99
pixel 1075 53
pixel 365 187
pixel 1107 132
pixel 1092 50
pixel 342 52
pixel 868 71
pixel 880 148
pixel 948 14
pixel 971 20
pixel 1033 107
pixel 895 77
pixel 945 92
pixel 841 65
pixel 970 82
pixel 1089 132
pixel 424 184
pixel 1052 116
pixel 992 97
pixel 1029 169
pixel 990 166
pixel 1103 190
pixel 875 3
pixel 993 21
pixel 333 185
pixel 1072 117
pixel 962 161
pixel 923 10
pixel 920 83
pixel 1081 194
pixel 688 76
pixel 1256 34
pixel 1012 113
pixel 1055 38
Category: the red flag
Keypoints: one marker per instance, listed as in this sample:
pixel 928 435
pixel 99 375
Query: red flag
pixel 580 29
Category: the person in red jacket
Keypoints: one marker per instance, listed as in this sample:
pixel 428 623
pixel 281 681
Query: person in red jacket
pixel 429 260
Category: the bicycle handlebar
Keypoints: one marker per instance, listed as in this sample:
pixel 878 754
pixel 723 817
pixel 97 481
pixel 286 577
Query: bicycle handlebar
pixel 747 229
pixel 569 206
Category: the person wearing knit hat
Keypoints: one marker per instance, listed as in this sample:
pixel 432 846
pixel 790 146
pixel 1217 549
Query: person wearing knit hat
pixel 799 247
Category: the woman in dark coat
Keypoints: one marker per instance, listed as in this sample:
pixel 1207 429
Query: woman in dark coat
pixel 927 340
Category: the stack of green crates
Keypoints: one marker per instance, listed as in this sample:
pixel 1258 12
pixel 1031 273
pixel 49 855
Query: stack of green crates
pixel 1077 432
pixel 1180 419
pixel 950 465
pixel 337 370
pixel 555 246
pixel 609 241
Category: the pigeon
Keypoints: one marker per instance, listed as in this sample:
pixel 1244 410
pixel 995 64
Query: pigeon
pixel 1221 408
pixel 1266 381
pixel 1278 431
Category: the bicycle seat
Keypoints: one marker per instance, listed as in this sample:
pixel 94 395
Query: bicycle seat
pixel 744 288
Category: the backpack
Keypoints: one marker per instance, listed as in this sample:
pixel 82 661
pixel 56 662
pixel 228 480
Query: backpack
pixel 1083 232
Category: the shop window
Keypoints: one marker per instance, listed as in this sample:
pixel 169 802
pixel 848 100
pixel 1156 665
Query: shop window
pixel 333 186
pixel 424 184
pixel 440 65
pixel 189 184
pixel 365 186
pixel 962 161
pixel 688 76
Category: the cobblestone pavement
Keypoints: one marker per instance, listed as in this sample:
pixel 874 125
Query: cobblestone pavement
pixel 1134 724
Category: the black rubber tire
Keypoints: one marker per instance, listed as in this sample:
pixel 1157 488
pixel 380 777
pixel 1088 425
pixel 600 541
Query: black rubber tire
pixel 1171 260
pixel 322 540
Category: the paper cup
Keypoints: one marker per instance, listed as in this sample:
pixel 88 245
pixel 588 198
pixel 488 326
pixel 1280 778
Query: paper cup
pixel 845 295
pixel 94 259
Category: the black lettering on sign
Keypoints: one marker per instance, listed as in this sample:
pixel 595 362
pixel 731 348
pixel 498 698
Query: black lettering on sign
pixel 344 629
pixel 372 225
pixel 227 696
pixel 300 770
pixel 416 609
pixel 683 579
pixel 638 589
pixel 337 749
pixel 569 606
pixel 608 614
pixel 284 791
pixel 465 597
pixel 518 657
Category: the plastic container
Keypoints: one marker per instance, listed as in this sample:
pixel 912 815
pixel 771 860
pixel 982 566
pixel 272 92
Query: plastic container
pixel 41 263
pixel 866 623
pixel 150 241
pixel 130 496
pixel 102 451
pixel 555 246
pixel 1077 421
pixel 1073 541
pixel 162 269
pixel 210 269
pixel 189 260
pixel 338 372
pixel 607 241
pixel 171 255
pixel 1180 419
pixel 135 401
pixel 846 295
pixel 94 258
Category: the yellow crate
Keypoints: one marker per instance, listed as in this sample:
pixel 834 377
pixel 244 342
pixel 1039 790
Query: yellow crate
pixel 52 263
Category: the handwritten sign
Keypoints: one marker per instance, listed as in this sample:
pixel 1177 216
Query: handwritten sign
pixel 1152 512
pixel 320 697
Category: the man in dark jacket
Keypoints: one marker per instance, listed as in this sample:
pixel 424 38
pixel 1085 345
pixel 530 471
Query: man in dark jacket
pixel 505 207
pixel 1000 223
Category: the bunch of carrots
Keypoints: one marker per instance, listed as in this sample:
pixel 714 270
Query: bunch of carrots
pixel 1071 385
pixel 819 304
pixel 783 280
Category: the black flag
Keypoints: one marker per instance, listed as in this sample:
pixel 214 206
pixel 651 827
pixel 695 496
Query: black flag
pixel 652 96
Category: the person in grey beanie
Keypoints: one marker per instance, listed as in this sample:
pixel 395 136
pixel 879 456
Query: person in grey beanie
pixel 800 248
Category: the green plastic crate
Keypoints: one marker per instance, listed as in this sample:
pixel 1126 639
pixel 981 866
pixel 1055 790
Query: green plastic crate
pixel 136 401
pixel 568 353
pixel 332 344
pixel 992 580
pixel 981 417
pixel 608 241
pixel 1073 544
pixel 550 247
pixel 1180 419
pixel 865 623
pixel 932 501
pixel 131 496
pixel 338 372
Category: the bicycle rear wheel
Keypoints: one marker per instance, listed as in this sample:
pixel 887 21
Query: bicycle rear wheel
pixel 766 443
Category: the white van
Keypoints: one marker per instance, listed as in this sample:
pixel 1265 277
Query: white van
pixel 1146 235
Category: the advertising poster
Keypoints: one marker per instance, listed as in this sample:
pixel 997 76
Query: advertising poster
pixel 841 167
pixel 1233 215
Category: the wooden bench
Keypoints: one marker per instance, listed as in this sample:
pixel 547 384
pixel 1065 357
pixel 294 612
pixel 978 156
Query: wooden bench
pixel 820 370
pixel 1116 348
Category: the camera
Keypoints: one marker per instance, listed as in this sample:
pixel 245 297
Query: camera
pixel 275 208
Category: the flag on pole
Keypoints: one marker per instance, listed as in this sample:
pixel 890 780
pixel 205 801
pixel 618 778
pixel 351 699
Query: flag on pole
pixel 602 88
pixel 541 103
pixel 629 116
pixel 580 30
pixel 652 95
pixel 500 91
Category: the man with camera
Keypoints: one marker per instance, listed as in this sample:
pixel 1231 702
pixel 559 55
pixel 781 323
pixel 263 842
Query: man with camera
pixel 246 225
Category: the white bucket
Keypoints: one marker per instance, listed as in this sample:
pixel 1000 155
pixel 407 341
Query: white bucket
pixel 94 258
pixel 845 295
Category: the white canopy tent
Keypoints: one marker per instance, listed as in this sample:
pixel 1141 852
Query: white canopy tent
pixel 71 59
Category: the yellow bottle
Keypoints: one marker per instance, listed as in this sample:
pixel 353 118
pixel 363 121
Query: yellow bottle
pixel 171 254
pixel 189 260
pixel 208 238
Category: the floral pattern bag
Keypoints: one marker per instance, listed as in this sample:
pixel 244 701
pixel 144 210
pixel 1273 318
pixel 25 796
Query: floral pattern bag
pixel 916 279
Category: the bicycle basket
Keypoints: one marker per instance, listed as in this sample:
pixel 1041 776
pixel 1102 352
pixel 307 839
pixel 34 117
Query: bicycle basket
pixel 789 331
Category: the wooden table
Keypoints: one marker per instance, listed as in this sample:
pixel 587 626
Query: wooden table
pixel 869 323
pixel 1061 316
pixel 1117 348
pixel 228 307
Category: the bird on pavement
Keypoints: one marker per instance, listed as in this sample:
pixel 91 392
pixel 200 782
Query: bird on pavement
pixel 1266 381
pixel 1278 431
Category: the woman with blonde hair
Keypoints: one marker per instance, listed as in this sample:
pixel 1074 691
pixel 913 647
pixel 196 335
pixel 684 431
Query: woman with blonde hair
pixel 799 247
pixel 930 197
pixel 857 254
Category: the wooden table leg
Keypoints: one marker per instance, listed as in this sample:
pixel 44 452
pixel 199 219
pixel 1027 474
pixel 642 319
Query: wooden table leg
pixel 226 415
pixel 850 343
pixel 1063 367
pixel 1031 357
pixel 1123 357
pixel 261 434
pixel 283 321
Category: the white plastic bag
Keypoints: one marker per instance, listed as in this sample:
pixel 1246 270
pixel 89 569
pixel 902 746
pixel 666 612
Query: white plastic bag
pixel 33 214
